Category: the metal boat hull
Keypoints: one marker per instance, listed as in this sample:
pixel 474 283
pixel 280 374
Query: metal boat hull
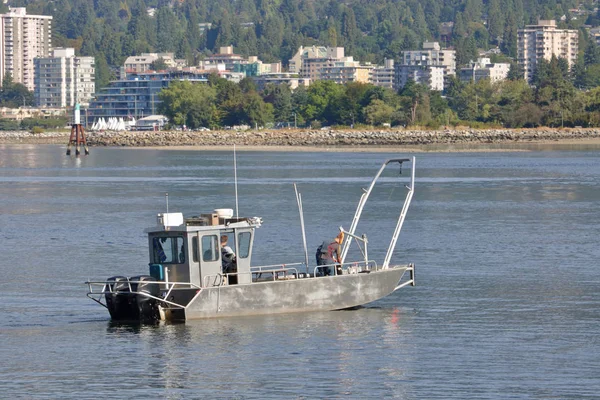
pixel 288 296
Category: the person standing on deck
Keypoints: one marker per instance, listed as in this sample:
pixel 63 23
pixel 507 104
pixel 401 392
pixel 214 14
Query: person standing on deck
pixel 333 255
pixel 227 256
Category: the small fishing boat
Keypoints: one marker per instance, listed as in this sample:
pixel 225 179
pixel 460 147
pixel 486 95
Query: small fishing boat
pixel 192 276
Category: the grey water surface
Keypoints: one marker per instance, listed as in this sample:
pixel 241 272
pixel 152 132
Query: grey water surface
pixel 507 302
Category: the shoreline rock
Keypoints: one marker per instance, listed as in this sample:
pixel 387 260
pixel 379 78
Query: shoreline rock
pixel 314 138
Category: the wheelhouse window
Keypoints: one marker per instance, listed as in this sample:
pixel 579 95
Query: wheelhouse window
pixel 210 248
pixel 244 243
pixel 168 250
pixel 195 249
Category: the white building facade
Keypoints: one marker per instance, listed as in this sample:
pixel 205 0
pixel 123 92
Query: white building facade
pixel 542 41
pixel 64 80
pixel 23 38
pixel 428 75
pixel 431 55
pixel 384 76
pixel 483 68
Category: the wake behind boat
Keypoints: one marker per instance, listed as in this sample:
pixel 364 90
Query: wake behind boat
pixel 200 267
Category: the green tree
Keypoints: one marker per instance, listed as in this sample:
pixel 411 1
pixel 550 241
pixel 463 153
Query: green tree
pixel 495 21
pixel 592 53
pixel 159 64
pixel 102 74
pixel 255 112
pixel 377 112
pixel 166 29
pixel 192 104
pixel 13 94
pixel 280 96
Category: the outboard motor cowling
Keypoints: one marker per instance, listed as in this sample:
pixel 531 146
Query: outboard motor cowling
pixel 118 297
pixel 147 307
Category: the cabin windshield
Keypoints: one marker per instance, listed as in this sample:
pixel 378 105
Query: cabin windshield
pixel 168 250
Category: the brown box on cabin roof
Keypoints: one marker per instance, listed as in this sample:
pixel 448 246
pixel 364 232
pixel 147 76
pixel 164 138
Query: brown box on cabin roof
pixel 211 219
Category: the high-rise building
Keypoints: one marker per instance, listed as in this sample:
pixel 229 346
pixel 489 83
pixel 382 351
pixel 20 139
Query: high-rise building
pixel 542 41
pixel 64 80
pixel 22 38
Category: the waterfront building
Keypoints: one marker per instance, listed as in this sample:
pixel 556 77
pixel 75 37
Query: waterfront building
pixel 137 94
pixel 384 76
pixel 21 113
pixel 542 41
pixel 483 68
pixel 428 75
pixel 23 38
pixel 63 80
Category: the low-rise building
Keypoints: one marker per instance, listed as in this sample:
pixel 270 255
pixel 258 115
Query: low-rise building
pixel 429 75
pixel 142 63
pixel 287 78
pixel 345 71
pixel 18 114
pixel 483 68
pixel 309 60
pixel 384 76
pixel 232 62
pixel 431 55
pixel 136 95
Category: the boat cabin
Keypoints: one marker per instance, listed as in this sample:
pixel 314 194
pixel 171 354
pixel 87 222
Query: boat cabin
pixel 192 250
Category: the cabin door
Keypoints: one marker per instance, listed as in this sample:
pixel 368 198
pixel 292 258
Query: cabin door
pixel 210 259
pixel 244 239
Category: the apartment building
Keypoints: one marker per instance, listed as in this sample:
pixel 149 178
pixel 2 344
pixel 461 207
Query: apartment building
pixel 63 80
pixel 308 61
pixel 431 55
pixel 137 94
pixel 483 68
pixel 281 78
pixel 346 71
pixel 542 41
pixel 384 76
pixel 23 38
pixel 142 63
pixel 429 75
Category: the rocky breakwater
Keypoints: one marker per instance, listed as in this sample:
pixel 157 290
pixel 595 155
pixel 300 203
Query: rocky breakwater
pixel 318 138
pixel 337 137
pixel 37 138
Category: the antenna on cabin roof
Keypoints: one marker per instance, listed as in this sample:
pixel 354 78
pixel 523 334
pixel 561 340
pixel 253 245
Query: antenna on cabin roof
pixel 235 182
pixel 167 200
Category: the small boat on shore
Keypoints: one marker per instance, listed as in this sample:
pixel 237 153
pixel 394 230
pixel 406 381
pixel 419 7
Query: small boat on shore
pixel 191 274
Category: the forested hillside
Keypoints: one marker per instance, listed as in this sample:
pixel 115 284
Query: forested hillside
pixel 370 30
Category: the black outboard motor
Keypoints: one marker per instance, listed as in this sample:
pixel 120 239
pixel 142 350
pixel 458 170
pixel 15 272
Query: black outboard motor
pixel 118 297
pixel 127 305
pixel 147 307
